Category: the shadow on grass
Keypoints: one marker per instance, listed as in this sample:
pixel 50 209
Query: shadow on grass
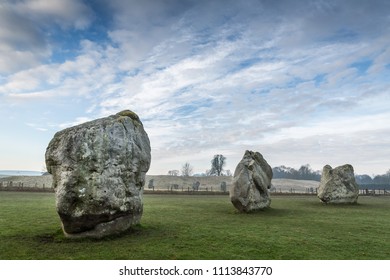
pixel 345 205
pixel 319 203
pixel 268 212
pixel 59 237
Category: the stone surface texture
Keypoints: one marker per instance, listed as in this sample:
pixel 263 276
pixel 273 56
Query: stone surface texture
pixel 98 173
pixel 338 185
pixel 252 179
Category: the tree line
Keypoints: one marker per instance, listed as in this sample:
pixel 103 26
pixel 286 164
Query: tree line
pixel 365 179
pixel 218 163
pixel 305 172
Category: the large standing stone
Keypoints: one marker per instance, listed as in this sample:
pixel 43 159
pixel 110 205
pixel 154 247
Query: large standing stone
pixel 338 185
pixel 252 179
pixel 99 172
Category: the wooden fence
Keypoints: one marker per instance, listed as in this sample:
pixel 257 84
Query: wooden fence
pixel 374 191
pixel 175 189
pixel 20 186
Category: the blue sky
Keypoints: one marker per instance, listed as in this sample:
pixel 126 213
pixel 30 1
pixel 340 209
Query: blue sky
pixel 298 81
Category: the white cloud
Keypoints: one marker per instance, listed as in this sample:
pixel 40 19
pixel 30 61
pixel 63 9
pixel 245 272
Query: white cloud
pixel 268 76
pixel 85 76
pixel 66 13
pixel 36 127
pixel 25 26
pixel 77 121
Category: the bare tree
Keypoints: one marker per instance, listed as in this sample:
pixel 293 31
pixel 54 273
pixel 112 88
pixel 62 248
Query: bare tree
pixel 173 172
pixel 186 169
pixel 217 164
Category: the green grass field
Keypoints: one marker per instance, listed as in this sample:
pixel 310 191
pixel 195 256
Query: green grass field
pixel 204 228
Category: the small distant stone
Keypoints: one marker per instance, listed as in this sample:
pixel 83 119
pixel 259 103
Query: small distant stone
pixel 338 185
pixel 223 186
pixel 195 186
pixel 98 173
pixel 252 179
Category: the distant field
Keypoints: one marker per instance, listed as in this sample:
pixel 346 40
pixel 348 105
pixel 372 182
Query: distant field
pixel 205 227
pixel 164 182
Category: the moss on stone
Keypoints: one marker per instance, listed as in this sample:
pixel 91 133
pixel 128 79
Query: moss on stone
pixel 121 119
pixel 130 114
pixel 124 115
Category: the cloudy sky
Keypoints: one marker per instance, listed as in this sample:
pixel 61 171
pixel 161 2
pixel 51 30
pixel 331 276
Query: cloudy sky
pixel 298 81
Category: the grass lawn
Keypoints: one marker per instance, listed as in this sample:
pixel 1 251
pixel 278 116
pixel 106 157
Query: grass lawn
pixel 203 228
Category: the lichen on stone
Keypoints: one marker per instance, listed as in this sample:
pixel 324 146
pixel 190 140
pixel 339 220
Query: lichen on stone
pixel 99 171
pixel 125 114
pixel 130 114
pixel 338 185
pixel 252 179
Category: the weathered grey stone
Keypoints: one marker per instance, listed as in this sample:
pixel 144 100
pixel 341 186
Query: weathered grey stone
pixel 338 185
pixel 195 186
pixel 223 186
pixel 99 172
pixel 252 179
pixel 151 184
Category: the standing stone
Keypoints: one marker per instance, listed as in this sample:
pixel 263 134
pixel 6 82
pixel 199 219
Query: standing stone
pixel 195 186
pixel 338 185
pixel 223 186
pixel 151 184
pixel 252 179
pixel 98 173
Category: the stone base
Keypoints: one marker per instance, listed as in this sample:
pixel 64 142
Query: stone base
pixel 113 227
pixel 341 200
pixel 252 202
pixel 338 185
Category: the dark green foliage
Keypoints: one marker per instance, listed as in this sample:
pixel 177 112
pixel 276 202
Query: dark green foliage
pixel 217 164
pixel 130 114
pixel 303 173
